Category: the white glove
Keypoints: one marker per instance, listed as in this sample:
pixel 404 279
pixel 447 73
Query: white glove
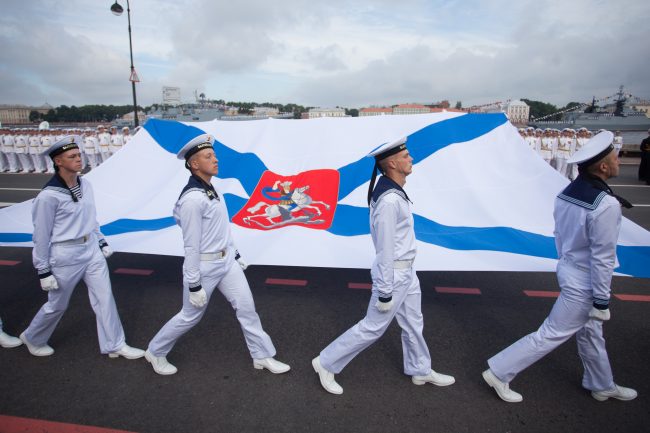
pixel 199 298
pixel 107 251
pixel 242 263
pixel 597 314
pixel 384 306
pixel 49 283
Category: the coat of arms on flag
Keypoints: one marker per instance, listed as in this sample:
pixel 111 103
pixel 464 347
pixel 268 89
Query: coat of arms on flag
pixel 307 199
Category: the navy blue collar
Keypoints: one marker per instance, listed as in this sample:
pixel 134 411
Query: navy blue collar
pixel 384 185
pixel 588 191
pixel 196 182
pixel 56 182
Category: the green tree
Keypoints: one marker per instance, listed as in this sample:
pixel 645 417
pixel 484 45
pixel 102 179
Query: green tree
pixel 34 116
pixel 459 105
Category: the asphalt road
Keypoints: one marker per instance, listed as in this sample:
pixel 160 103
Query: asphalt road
pixel 217 389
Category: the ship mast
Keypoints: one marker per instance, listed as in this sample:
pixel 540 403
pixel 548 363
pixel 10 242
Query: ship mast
pixel 620 102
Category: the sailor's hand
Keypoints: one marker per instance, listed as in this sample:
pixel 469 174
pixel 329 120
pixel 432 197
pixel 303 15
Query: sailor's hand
pixel 49 283
pixel 384 304
pixel 242 263
pixel 597 314
pixel 107 251
pixel 199 298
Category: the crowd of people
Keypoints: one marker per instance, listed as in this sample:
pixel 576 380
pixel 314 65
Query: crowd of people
pixel 556 146
pixel 21 150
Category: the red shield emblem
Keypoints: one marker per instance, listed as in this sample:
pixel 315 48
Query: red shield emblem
pixel 307 199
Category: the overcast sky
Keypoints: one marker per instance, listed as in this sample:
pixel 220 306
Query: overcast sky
pixel 348 53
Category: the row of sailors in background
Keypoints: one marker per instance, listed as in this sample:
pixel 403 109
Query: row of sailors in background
pixel 20 149
pixel 556 146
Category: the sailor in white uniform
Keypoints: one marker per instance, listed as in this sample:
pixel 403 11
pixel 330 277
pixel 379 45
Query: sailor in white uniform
pixel 8 142
pixel 7 341
pixel 211 262
pixel 104 139
pixel 68 247
pixel 618 141
pixel 117 141
pixel 395 285
pixel 587 222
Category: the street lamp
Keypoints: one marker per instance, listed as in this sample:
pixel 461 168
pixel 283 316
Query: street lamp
pixel 117 10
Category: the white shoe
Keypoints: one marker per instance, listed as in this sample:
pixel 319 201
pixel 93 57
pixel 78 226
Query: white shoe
pixel 160 364
pixel 618 392
pixel 503 389
pixel 127 352
pixel 7 341
pixel 326 378
pixel 34 350
pixel 437 379
pixel 272 365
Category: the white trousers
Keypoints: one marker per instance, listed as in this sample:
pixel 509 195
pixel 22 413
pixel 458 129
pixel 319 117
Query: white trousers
pixel 4 163
pixel 92 159
pixel 561 166
pixel 70 264
pixel 569 316
pixel 49 164
pixel 407 309
pixel 234 287
pixel 37 162
pixel 25 161
pixel 12 161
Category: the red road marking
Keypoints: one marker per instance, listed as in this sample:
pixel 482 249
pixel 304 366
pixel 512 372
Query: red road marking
pixel 458 290
pixel 541 294
pixel 132 271
pixel 8 262
pixel 640 298
pixel 12 424
pixel 286 282
pixel 359 286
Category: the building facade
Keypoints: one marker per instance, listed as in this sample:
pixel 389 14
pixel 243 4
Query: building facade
pixel 325 112
pixel 517 111
pixel 375 111
pixel 19 114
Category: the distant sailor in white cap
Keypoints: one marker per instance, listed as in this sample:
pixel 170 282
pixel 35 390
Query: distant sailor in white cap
pixel 587 222
pixel 68 247
pixel 395 285
pixel 211 262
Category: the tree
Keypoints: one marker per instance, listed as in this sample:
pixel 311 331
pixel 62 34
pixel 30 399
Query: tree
pixel 459 105
pixel 352 112
pixel 34 116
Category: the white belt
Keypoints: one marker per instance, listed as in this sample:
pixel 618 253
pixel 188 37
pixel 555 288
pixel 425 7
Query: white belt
pixel 402 264
pixel 81 240
pixel 207 257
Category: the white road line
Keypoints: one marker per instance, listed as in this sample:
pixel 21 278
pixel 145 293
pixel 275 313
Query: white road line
pixel 632 186
pixel 20 189
pixel 5 204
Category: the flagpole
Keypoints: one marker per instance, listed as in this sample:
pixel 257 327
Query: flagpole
pixel 117 10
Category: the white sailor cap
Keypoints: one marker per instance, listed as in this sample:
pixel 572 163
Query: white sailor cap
pixel 387 149
pixel 383 151
pixel 66 143
pixel 125 128
pixel 594 150
pixel 200 142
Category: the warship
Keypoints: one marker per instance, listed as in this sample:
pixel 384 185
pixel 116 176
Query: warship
pixel 620 117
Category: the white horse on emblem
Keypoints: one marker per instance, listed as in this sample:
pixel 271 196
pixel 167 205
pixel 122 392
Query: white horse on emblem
pixel 299 198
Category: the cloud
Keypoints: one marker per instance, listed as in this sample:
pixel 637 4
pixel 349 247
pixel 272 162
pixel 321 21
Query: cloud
pixel 341 52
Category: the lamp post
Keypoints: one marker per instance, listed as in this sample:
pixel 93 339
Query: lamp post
pixel 117 10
